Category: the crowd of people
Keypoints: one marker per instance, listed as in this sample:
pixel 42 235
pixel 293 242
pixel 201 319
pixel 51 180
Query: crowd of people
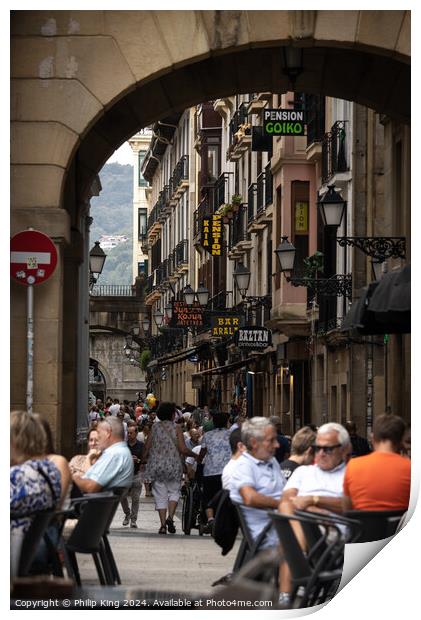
pixel 161 447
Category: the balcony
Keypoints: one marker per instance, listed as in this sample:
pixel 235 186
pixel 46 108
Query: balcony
pixel 221 190
pixel 334 151
pixel 239 239
pixel 153 283
pixel 171 340
pixel 180 177
pixel 252 202
pixel 182 256
pixel 260 197
pixel 204 209
pixel 154 222
pixel 240 134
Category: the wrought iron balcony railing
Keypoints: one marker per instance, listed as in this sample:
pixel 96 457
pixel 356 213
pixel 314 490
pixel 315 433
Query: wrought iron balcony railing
pixel 204 209
pixel 239 118
pixel 182 252
pixel 180 172
pixel 220 194
pixel 334 151
pixel 238 227
pixel 251 202
pixel 113 290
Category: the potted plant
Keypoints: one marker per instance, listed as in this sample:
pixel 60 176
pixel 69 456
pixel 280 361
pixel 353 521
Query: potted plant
pixel 236 201
pixel 145 358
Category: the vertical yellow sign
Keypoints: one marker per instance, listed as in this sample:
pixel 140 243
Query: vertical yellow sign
pixel 301 217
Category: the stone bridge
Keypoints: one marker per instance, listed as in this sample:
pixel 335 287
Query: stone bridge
pixel 113 311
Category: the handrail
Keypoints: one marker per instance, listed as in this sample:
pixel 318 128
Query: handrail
pixel 113 290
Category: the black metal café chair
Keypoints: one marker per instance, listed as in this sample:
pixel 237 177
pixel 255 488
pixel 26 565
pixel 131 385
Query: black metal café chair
pixel 120 492
pixel 316 578
pixel 316 530
pixel 94 513
pixel 376 524
pixel 249 546
pixel 39 523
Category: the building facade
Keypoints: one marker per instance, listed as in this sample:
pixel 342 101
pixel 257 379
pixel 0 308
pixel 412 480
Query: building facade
pixel 263 190
pixel 139 144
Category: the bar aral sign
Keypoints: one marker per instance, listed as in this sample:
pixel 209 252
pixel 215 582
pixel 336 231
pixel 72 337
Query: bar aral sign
pixel 226 325
pixel 283 122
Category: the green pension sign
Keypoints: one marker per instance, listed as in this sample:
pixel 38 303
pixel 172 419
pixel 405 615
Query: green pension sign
pixel 283 122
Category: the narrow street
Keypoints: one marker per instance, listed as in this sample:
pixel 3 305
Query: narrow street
pixel 175 563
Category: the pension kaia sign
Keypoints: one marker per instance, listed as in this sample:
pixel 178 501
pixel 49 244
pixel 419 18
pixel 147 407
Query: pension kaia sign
pixel 212 234
pixel 283 122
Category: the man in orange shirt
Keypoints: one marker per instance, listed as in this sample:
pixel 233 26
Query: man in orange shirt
pixel 381 480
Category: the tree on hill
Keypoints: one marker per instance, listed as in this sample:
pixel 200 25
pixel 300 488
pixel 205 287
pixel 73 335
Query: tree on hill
pixel 112 213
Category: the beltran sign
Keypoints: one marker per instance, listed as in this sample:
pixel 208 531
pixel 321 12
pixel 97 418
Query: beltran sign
pixel 253 337
pixel 283 122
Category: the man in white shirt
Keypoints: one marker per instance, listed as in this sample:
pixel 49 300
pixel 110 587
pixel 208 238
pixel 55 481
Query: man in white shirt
pixel 257 481
pixel 114 409
pixel 318 486
pixel 237 449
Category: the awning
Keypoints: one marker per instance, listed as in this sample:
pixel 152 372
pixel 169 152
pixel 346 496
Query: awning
pixel 223 370
pixel 358 318
pixel 391 302
pixel 179 356
pixel 384 307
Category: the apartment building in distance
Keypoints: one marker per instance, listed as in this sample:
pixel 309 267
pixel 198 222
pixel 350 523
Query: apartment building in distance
pixel 139 144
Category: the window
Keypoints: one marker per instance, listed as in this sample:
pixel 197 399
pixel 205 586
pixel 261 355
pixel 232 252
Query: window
pixel 142 180
pixel 142 267
pixel 213 167
pixel 142 223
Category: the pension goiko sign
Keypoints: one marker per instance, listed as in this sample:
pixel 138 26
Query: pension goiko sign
pixel 283 122
pixel 212 234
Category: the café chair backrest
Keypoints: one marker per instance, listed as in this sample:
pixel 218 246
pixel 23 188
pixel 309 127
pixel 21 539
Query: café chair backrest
pixel 32 539
pixel 376 524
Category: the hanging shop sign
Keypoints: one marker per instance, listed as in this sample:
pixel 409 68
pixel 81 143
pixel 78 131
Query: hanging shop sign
pixel 261 141
pixel 212 233
pixel 283 122
pixel 186 316
pixel 253 338
pixel 301 217
pixel 226 324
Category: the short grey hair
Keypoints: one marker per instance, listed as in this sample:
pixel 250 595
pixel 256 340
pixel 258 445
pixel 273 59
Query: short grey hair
pixel 116 425
pixel 254 427
pixel 343 435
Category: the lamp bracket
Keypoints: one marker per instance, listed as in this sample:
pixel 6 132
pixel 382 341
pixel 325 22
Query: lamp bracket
pixel 337 286
pixel 265 301
pixel 378 248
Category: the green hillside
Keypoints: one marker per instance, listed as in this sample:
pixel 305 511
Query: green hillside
pixel 112 215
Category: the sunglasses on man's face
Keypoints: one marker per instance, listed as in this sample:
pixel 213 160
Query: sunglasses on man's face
pixel 327 449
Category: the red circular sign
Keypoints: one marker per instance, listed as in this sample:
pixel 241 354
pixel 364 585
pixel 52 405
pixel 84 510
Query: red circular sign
pixel 33 257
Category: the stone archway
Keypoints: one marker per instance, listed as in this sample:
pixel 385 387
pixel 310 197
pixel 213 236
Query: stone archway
pixel 85 81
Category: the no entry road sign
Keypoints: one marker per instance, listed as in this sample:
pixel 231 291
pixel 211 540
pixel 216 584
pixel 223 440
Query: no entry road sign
pixel 33 257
